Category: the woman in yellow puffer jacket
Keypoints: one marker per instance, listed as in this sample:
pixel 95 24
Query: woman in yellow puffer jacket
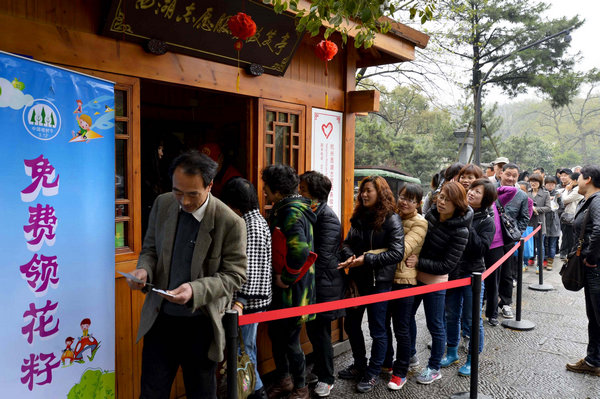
pixel 399 310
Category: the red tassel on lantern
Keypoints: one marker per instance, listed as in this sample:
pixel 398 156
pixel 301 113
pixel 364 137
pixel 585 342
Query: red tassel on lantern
pixel 243 27
pixel 326 50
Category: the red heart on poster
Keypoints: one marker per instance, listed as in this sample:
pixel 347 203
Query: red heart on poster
pixel 327 129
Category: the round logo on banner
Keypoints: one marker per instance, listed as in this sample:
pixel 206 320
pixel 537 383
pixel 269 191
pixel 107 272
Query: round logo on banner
pixel 42 120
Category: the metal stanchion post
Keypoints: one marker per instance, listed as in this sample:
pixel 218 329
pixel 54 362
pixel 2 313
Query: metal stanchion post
pixel 517 323
pixel 230 323
pixel 540 261
pixel 474 350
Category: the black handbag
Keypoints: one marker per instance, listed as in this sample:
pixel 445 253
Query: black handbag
pixel 566 219
pixel 510 230
pixel 572 271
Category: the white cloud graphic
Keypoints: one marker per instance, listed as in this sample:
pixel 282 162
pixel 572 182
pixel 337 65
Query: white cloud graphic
pixel 11 97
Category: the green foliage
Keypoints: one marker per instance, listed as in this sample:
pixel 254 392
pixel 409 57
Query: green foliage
pixel 407 134
pixel 529 152
pixel 336 14
pixel 94 384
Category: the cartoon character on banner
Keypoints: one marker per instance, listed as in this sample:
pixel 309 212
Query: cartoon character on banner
pixel 86 342
pixel 85 124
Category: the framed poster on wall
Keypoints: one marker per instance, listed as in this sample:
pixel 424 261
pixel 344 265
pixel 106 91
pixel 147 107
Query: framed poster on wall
pixel 326 154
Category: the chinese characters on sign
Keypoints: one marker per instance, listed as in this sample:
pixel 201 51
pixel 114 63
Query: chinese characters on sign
pixel 200 29
pixel 40 272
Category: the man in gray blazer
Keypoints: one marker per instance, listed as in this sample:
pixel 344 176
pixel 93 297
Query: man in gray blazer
pixel 194 250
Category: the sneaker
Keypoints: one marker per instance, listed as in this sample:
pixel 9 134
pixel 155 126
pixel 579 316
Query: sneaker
pixel 507 312
pixel 514 283
pixel 323 389
pixel 583 367
pixel 351 373
pixel 428 375
pixel 492 321
pixel 537 270
pixel 525 268
pixel 413 362
pixel 545 263
pixel 311 378
pixel 366 384
pixel 396 383
pixel 386 370
pixel 530 262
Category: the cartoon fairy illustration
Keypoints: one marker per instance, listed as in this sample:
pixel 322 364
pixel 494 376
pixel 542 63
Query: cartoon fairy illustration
pixel 86 341
pixel 78 110
pixel 68 352
pixel 85 122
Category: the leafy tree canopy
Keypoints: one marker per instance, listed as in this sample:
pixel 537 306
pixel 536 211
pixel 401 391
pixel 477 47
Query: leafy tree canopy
pixel 367 14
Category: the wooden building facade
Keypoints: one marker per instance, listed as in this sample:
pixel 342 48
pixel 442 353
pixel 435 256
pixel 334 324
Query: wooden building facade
pixel 175 101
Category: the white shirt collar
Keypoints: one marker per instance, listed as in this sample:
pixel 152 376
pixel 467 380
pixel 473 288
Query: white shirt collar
pixel 198 214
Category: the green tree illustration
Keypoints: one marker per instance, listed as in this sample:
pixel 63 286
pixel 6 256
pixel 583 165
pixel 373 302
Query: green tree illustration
pixel 44 116
pixel 33 116
pixel 52 123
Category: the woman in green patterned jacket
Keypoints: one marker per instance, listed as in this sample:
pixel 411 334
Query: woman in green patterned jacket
pixel 292 220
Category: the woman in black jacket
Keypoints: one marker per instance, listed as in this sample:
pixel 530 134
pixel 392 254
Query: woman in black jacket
pixel 589 187
pixel 329 281
pixel 447 235
pixel 459 301
pixel 372 248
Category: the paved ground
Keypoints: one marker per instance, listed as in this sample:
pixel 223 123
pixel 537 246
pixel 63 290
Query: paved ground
pixel 514 364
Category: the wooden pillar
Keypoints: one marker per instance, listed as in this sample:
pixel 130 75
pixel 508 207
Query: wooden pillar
pixel 348 138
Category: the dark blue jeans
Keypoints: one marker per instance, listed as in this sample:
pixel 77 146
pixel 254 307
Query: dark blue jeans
pixel 399 314
pixel 434 304
pixel 376 313
pixel 592 308
pixel 459 308
pixel 550 247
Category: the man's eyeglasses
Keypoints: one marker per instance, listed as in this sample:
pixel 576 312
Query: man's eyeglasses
pixel 404 199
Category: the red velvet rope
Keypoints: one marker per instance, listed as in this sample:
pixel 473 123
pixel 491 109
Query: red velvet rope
pixel 367 299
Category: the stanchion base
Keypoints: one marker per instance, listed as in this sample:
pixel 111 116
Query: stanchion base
pixel 541 287
pixel 468 395
pixel 523 325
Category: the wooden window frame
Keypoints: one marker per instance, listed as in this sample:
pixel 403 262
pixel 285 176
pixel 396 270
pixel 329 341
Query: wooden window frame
pixel 279 106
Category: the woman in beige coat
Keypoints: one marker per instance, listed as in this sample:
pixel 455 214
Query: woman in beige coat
pixel 399 310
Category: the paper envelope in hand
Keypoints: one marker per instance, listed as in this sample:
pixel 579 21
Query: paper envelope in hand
pixel 279 253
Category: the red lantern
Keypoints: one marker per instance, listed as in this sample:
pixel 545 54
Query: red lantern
pixel 243 27
pixel 326 50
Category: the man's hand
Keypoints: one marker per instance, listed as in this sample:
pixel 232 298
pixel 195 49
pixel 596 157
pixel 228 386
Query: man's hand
pixel 183 294
pixel 278 282
pixel 142 274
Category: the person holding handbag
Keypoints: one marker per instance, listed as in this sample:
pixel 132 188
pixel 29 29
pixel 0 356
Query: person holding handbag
pixel 292 219
pixel 570 198
pixel 372 249
pixel 541 206
pixel 589 208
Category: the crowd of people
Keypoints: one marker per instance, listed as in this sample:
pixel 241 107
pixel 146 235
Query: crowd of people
pixel 298 257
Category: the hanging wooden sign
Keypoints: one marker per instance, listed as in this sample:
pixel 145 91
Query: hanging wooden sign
pixel 199 29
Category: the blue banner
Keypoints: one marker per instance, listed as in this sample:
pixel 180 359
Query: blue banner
pixel 57 238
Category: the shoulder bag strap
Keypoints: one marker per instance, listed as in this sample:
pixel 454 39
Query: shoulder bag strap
pixel 499 206
pixel 585 220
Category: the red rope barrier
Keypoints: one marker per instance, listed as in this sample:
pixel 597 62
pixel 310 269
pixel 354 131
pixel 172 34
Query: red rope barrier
pixel 368 299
